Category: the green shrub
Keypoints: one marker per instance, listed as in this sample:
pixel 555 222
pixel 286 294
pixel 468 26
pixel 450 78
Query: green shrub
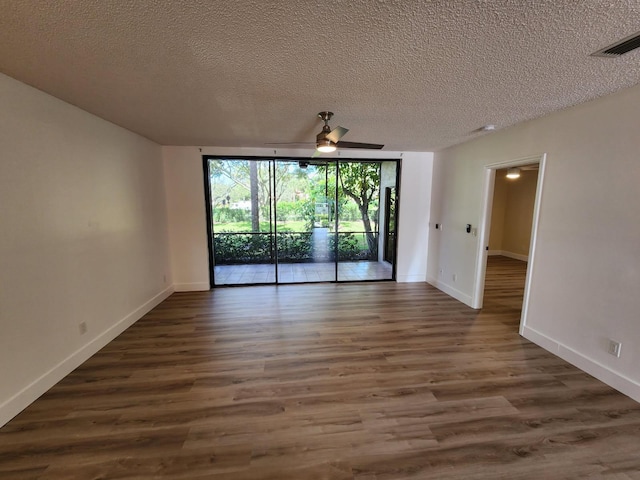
pixel 241 248
pixel 293 247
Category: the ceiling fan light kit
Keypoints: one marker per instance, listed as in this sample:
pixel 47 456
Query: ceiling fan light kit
pixel 325 145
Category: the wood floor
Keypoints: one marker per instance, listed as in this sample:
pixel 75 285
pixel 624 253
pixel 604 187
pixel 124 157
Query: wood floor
pixel 353 381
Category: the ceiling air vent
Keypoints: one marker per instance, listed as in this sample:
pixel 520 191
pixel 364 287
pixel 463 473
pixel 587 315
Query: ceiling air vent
pixel 619 48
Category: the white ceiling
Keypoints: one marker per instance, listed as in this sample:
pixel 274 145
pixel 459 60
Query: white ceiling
pixel 414 75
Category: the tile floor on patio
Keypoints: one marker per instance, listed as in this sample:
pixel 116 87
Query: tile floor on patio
pixel 301 272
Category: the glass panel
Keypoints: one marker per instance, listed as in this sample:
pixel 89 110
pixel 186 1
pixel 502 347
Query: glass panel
pixel 361 193
pixel 243 236
pixel 390 224
pixel 278 221
pixel 305 219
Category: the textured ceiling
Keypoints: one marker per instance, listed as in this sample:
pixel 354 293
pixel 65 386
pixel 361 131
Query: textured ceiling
pixel 414 75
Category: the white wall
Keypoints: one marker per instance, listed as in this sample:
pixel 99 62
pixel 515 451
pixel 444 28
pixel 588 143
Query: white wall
pixel 83 238
pixel 586 270
pixel 413 216
pixel 187 216
pixel 184 179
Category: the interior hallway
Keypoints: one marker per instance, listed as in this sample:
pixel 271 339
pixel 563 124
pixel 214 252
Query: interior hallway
pixel 504 289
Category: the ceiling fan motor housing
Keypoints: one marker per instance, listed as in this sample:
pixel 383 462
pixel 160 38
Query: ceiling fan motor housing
pixel 326 130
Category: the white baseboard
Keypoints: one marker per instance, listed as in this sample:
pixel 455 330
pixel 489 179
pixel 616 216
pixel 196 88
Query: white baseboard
pixel 35 389
pixel 504 253
pixel 410 278
pixel 192 287
pixel 449 290
pixel 603 373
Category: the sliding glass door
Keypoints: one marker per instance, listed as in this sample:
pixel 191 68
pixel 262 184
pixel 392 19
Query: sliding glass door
pixel 305 221
pixel 300 220
pixel 243 240
pixel 359 191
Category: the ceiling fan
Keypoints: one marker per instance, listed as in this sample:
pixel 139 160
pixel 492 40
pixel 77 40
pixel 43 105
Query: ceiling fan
pixel 328 140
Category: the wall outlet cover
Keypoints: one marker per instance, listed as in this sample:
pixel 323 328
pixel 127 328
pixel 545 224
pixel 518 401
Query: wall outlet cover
pixel 615 348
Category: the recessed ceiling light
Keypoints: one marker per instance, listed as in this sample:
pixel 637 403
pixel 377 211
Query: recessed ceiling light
pixel 488 128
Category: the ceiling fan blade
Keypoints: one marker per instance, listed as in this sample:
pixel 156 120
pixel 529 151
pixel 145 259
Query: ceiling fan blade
pixel 336 134
pixel 368 146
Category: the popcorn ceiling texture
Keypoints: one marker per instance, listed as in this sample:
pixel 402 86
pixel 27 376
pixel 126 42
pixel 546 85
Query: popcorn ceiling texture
pixel 414 75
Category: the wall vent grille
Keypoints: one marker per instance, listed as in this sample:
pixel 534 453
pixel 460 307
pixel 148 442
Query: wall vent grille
pixel 620 48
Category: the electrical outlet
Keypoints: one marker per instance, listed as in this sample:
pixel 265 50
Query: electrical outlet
pixel 164 278
pixel 82 326
pixel 615 348
pixel 455 277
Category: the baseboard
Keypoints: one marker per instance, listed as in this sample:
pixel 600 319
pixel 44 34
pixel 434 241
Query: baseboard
pixel 516 256
pixel 504 253
pixel 451 291
pixel 410 278
pixel 192 287
pixel 33 391
pixel 603 373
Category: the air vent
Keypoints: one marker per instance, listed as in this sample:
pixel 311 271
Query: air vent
pixel 619 48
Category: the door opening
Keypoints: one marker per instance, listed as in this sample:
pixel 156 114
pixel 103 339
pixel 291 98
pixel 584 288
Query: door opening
pixel 508 231
pixel 289 220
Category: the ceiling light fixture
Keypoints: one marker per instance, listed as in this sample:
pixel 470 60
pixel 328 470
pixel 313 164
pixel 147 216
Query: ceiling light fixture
pixel 488 128
pixel 513 173
pixel 325 145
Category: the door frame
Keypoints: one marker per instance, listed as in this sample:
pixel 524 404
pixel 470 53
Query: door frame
pixel 389 197
pixel 275 158
pixel 485 229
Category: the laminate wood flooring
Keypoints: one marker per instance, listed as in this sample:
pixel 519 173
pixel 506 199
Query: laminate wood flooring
pixel 374 381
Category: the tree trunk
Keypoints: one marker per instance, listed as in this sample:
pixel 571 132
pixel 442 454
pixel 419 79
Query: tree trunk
pixel 255 204
pixel 371 238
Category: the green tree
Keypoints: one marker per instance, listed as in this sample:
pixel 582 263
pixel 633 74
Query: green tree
pixel 249 179
pixel 360 181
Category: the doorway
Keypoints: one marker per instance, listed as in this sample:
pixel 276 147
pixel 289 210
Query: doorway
pixel 292 220
pixel 509 242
